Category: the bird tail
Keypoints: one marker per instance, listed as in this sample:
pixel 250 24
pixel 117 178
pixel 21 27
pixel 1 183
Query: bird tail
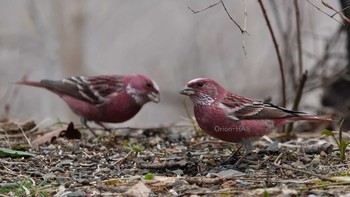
pixel 31 83
pixel 311 117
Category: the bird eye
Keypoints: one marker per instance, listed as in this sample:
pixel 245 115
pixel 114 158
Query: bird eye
pixel 148 84
pixel 200 84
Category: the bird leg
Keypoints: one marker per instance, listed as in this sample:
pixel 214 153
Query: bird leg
pixel 240 159
pixel 104 127
pixel 84 122
pixel 248 147
pixel 233 158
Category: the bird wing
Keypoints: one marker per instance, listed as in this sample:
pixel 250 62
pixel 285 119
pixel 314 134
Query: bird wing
pixel 89 89
pixel 242 108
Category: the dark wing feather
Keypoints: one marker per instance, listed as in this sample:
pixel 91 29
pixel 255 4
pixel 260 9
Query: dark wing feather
pixel 89 89
pixel 243 108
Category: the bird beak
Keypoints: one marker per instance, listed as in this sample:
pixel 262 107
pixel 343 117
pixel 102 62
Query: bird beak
pixel 187 91
pixel 154 97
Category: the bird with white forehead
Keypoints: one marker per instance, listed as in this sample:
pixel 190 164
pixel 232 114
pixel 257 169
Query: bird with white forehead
pixel 103 98
pixel 233 118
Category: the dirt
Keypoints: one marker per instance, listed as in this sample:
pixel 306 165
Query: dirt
pixel 172 161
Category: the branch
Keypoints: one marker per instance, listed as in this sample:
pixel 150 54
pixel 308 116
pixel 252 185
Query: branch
pixel 346 19
pixel 210 6
pixel 324 178
pixel 277 53
pixel 300 53
pixel 324 12
pixel 228 14
pixel 244 26
pixel 297 99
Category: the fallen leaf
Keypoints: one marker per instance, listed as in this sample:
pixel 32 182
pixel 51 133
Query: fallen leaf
pixel 47 138
pixel 69 133
pixel 139 190
pixel 15 153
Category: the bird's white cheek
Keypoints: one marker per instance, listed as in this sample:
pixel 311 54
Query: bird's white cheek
pixel 134 94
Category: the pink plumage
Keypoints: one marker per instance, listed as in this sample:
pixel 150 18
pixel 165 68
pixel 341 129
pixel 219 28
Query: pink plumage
pixel 104 98
pixel 235 118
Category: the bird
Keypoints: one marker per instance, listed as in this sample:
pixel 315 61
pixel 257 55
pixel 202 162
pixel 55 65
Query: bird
pixel 234 118
pixel 103 98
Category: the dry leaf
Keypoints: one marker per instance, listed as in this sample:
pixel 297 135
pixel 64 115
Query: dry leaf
pixel 69 133
pixel 138 190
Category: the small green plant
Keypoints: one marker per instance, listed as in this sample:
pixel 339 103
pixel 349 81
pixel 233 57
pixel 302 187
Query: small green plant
pixel 148 176
pixel 341 143
pixel 136 148
pixel 266 193
pixel 28 188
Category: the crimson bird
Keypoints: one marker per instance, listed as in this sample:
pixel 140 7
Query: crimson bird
pixel 103 98
pixel 233 118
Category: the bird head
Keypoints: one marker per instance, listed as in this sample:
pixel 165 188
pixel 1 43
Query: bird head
pixel 142 89
pixel 202 91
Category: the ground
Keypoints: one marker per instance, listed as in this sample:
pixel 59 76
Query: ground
pixel 172 161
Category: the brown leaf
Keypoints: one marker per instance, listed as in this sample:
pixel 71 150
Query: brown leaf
pixel 47 138
pixel 69 133
pixel 140 190
pixel 15 127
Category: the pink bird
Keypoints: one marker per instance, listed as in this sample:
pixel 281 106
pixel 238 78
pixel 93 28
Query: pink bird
pixel 104 98
pixel 234 118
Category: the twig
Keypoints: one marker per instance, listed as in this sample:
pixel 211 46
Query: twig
pixel 122 160
pixel 12 163
pixel 300 53
pixel 210 193
pixel 164 165
pixel 346 19
pixel 278 159
pixel 211 142
pixel 347 7
pixel 228 14
pixel 325 185
pixel 329 45
pixel 5 137
pixel 197 11
pixel 297 99
pixel 202 180
pixel 244 27
pixel 194 124
pixel 324 178
pixel 10 172
pixel 324 12
pixel 277 53
pixel 30 144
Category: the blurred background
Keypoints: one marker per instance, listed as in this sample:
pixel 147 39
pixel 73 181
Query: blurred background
pixel 164 40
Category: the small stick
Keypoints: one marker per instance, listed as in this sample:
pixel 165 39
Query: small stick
pixel 324 178
pixel 284 96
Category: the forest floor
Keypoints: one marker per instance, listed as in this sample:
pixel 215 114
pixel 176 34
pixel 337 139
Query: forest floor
pixel 172 161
